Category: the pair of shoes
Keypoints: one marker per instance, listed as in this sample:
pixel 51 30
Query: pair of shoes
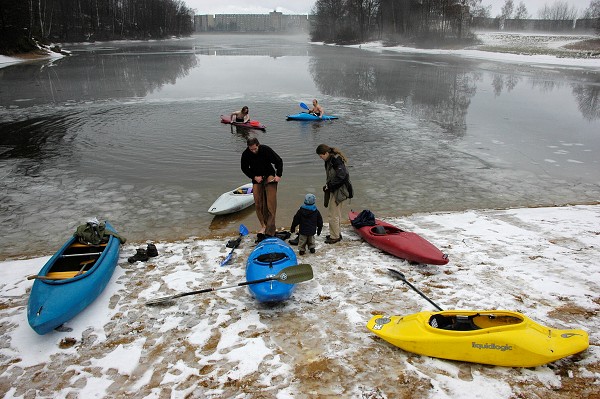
pixel 301 252
pixel 328 237
pixel 283 235
pixel 260 237
pixel 330 240
pixel 234 243
pixel 312 250
pixel 294 241
pixel 151 251
pixel 140 255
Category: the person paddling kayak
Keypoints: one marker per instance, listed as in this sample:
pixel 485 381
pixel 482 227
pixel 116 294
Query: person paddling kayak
pixel 316 110
pixel 241 116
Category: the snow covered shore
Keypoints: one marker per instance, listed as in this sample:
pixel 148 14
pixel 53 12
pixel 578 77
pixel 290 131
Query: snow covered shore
pixel 516 48
pixel 542 262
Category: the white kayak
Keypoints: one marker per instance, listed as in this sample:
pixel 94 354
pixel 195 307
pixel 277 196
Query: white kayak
pixel 233 201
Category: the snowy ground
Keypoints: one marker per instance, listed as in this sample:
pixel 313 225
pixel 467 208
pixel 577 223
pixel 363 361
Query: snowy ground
pixel 542 262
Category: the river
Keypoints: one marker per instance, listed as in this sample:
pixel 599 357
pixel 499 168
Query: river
pixel 130 132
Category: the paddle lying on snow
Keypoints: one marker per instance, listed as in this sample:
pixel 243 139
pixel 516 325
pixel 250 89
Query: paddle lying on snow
pixel 235 243
pixel 289 275
pixel 400 276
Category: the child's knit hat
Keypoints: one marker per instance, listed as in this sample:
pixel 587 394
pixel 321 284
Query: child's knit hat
pixel 309 199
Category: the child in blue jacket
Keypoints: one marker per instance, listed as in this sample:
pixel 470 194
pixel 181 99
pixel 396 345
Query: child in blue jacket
pixel 309 219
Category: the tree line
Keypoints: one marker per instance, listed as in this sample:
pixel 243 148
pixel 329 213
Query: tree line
pixel 425 22
pixel 89 20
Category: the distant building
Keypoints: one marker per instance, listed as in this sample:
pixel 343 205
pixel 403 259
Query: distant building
pixel 272 22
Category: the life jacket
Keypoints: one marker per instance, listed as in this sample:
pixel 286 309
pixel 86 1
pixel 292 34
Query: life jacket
pixel 364 218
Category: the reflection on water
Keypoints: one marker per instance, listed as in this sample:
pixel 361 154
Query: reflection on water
pixel 131 132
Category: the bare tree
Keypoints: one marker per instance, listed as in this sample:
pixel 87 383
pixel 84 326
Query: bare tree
pixel 558 11
pixel 593 11
pixel 479 11
pixel 507 9
pixel 521 11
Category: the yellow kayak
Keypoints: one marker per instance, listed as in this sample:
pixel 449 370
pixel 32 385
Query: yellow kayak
pixel 496 337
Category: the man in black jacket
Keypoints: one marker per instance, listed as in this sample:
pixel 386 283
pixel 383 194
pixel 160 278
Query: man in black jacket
pixel 264 167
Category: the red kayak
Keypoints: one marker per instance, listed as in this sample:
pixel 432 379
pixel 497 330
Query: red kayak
pixel 400 243
pixel 249 124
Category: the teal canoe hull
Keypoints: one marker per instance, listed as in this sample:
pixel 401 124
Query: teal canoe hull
pixel 54 302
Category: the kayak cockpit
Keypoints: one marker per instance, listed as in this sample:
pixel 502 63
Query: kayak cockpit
pixel 463 322
pixel 380 230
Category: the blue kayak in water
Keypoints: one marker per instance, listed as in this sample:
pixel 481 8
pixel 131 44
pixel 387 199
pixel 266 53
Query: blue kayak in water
pixel 305 116
pixel 270 256
pixel 70 281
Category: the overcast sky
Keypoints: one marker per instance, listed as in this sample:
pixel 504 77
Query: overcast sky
pixel 305 6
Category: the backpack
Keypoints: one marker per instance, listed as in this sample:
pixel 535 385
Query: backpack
pixel 365 218
pixel 95 233
pixel 91 233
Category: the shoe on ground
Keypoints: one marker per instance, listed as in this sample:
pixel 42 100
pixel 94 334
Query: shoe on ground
pixel 312 250
pixel 294 241
pixel 140 255
pixel 232 243
pixel 332 241
pixel 301 252
pixel 259 237
pixel 151 251
pixel 328 237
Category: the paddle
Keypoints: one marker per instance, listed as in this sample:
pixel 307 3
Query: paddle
pixel 254 123
pixel 400 276
pixel 289 275
pixel 236 243
pixel 302 105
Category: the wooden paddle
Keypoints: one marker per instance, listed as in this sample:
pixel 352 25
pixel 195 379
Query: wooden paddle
pixel 289 275
pixel 57 275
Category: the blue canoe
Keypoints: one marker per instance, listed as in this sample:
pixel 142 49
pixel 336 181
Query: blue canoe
pixel 70 281
pixel 305 116
pixel 270 256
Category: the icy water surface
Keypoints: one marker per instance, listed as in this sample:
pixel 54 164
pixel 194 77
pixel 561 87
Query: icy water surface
pixel 130 132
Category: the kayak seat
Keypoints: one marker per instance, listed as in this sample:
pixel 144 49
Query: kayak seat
pixel 378 230
pixel 440 321
pixel 80 245
pixel 454 323
pixel 63 275
pixel 243 191
pixel 271 257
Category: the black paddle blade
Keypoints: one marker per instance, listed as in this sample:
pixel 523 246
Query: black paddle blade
pixel 295 274
pixel 397 274
pixel 165 301
pixel 400 276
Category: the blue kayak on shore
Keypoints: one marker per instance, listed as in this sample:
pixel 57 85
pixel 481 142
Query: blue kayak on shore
pixel 305 116
pixel 70 281
pixel 270 256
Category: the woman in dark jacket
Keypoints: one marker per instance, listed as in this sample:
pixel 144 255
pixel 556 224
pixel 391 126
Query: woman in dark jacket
pixel 337 188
